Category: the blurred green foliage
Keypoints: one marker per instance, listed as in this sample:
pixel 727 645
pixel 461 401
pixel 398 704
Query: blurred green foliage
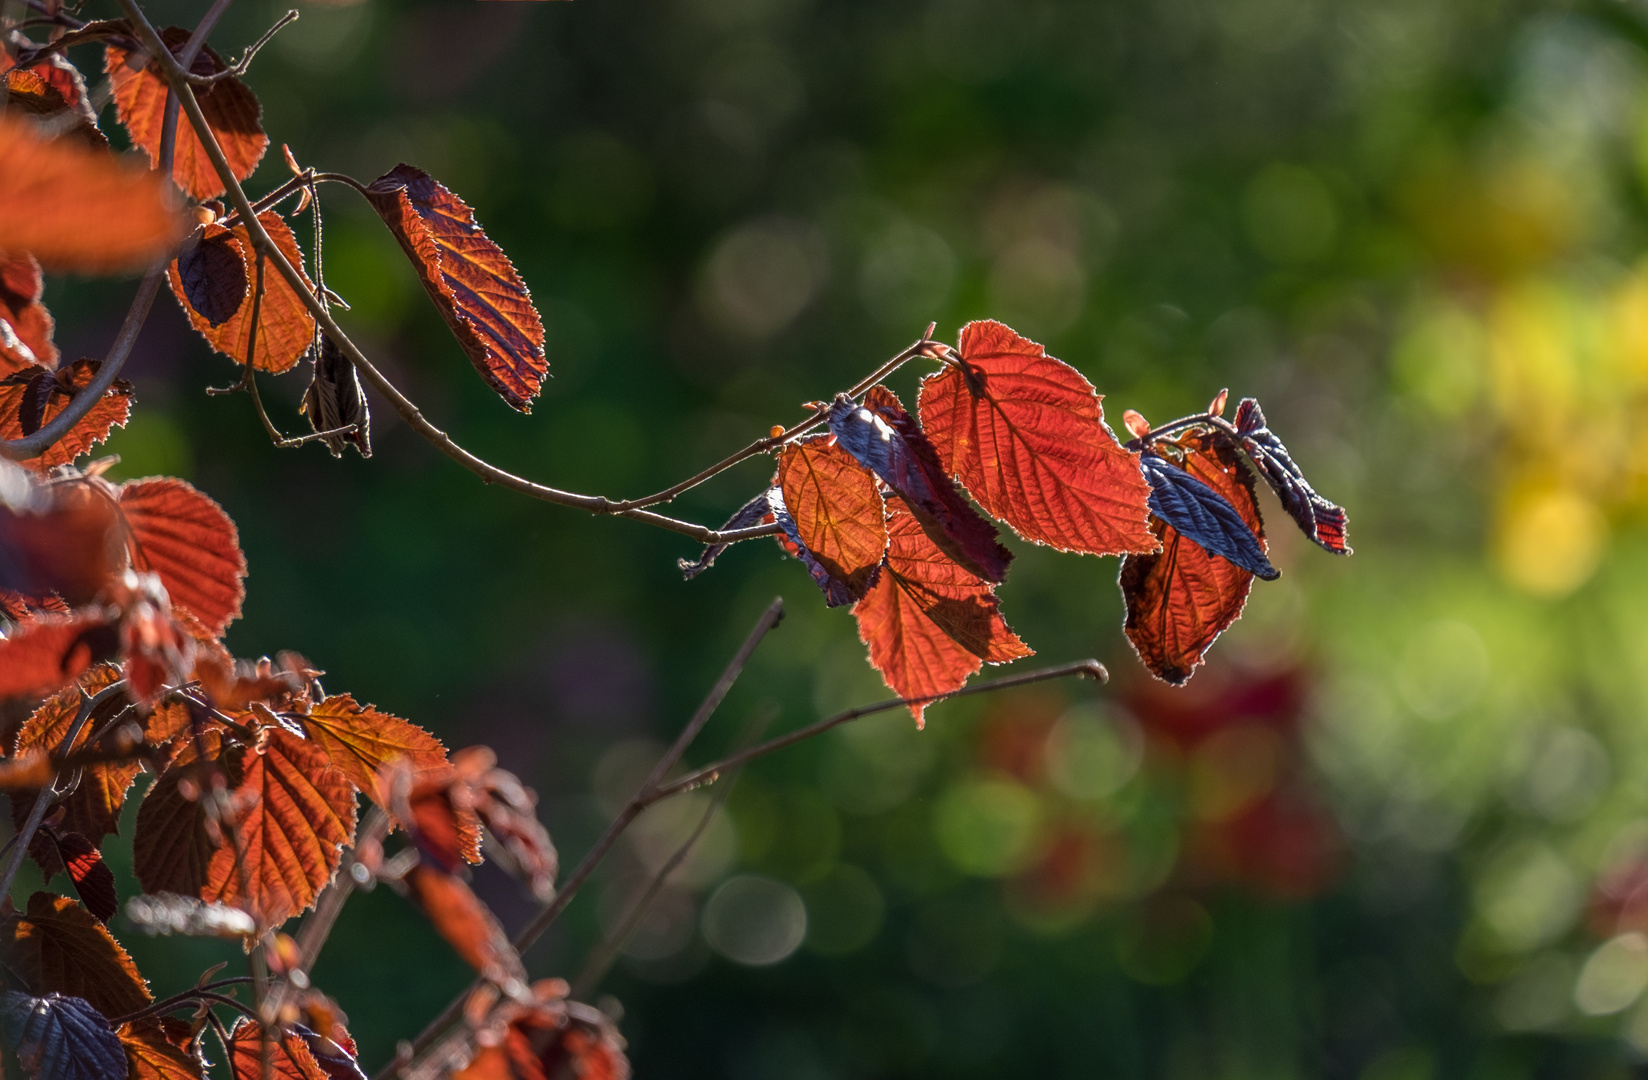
pixel 1396 831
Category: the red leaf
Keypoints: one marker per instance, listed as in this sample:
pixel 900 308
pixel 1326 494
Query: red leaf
pixel 232 112
pixel 928 622
pixel 553 1041
pixel 59 543
pixel 1025 433
pixel 1182 598
pixel 471 280
pixel 93 880
pixel 32 398
pixel 360 741
pixel 75 208
pixel 25 324
pixel 56 72
pixel 465 923
pixel 285 328
pixel 93 808
pixel 838 512
pixel 57 947
pixel 289 1055
pixel 152 1056
pixel 176 532
pixel 39 93
pixel 47 654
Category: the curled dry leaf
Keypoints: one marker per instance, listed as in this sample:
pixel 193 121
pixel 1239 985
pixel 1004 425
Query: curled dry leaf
pixel 57 947
pixel 473 283
pixel 750 514
pixel 336 401
pixel 547 1041
pixel 174 531
pixel 1179 600
pixel 25 324
pixel 929 622
pixel 887 440
pixel 232 112
pixel 1025 433
pixel 79 209
pixel 1317 518
pixel 839 518
pixel 285 326
pixel 32 398
pixel 59 1037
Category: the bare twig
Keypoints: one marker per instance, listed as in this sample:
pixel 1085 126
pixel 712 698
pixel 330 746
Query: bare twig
pixel 166 1005
pixel 238 68
pixel 710 773
pixel 312 935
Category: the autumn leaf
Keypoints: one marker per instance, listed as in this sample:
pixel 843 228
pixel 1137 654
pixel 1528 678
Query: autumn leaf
pixel 335 401
pixel 150 1055
pixel 32 397
pixel 79 209
pixel 929 622
pixel 1201 514
pixel 473 283
pixel 1179 600
pixel 46 654
pixel 359 741
pixel 1317 518
pixel 1025 434
pixel 92 809
pixel 174 531
pixel 57 946
pixel 232 112
pixel 92 878
pixel 887 440
pixel 58 1037
pixel 289 1054
pixel 206 284
pixel 460 917
pixel 57 541
pixel 838 515
pixel 25 324
pixel 56 72
pixel 750 514
pixel 38 93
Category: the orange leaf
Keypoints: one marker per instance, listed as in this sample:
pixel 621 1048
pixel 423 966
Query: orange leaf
pixel 1181 599
pixel 57 947
pixel 1025 434
pixel 50 652
pixel 93 809
pixel 289 1054
pixel 471 280
pixel 176 532
pixel 361 740
pixel 32 398
pixel 62 546
pixel 153 1056
pixel 58 74
pixel 25 324
pixel 837 509
pixel 914 656
pixel 75 208
pixel 39 93
pixel 92 878
pixel 285 327
pixel 231 110
pixel 465 923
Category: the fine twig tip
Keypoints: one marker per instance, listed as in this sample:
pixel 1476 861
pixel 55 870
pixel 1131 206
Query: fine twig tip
pixel 1096 671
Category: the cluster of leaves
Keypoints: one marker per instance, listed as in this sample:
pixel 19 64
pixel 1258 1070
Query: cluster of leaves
pixel 873 510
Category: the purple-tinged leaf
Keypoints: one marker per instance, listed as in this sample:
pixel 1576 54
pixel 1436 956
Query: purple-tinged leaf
pixel 750 514
pixel 1203 516
pixel 837 590
pixel 59 1038
pixel 1317 518
pixel 887 440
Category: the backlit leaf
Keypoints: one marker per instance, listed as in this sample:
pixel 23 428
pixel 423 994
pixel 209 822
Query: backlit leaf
pixel 152 1056
pixel 285 327
pixel 176 532
pixel 1201 514
pixel 25 324
pixel 93 808
pixel 1025 434
pixel 471 280
pixel 359 740
pixel 32 398
pixel 45 655
pixel 1179 600
pixel 1317 518
pixel 232 112
pixel 59 1037
pixel 57 947
pixel 58 541
pixel 92 878
pixel 460 917
pixel 56 72
pixel 289 1054
pixel 38 93
pixel 838 514
pixel 887 440
pixel 75 208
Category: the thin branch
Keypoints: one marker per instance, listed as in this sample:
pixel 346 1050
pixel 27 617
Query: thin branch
pixel 580 874
pixel 312 935
pixel 176 1000
pixel 710 773
pixel 238 68
pixel 32 446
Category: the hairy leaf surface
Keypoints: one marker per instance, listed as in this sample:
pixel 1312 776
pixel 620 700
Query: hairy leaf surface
pixel 231 110
pixel 473 283
pixel 289 1055
pixel 93 808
